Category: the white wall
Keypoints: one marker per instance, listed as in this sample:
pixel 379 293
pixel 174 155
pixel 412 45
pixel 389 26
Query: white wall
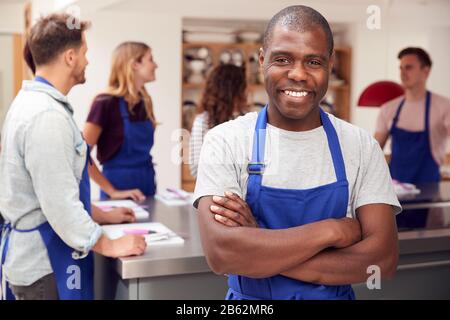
pixel 110 29
pixel 41 8
pixel 11 18
pixel 439 45
pixel 6 74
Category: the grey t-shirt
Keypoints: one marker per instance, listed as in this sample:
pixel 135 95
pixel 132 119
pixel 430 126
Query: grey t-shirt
pixel 294 160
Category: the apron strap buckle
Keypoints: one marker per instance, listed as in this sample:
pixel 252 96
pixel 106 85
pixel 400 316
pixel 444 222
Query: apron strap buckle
pixel 256 167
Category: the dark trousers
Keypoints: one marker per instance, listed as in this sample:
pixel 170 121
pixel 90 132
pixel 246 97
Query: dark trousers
pixel 43 289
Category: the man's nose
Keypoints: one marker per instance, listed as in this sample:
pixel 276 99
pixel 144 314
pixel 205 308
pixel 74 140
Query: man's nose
pixel 298 73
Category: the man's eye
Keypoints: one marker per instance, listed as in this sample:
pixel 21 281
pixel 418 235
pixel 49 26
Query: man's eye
pixel 281 60
pixel 315 62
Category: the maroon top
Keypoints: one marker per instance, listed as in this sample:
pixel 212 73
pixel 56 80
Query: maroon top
pixel 105 112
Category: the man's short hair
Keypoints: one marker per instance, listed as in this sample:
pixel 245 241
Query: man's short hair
pixel 421 54
pixel 298 18
pixel 52 35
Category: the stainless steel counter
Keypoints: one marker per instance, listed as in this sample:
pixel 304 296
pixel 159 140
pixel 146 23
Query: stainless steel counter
pixel 169 264
pixel 432 195
pixel 168 260
pixel 181 272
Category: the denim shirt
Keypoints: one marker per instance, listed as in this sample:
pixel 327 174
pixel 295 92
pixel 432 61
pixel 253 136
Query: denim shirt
pixel 41 164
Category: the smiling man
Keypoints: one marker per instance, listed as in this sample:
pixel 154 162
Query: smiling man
pixel 294 203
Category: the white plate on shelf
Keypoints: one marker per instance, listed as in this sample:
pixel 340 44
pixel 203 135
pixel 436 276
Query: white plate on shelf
pixel 209 37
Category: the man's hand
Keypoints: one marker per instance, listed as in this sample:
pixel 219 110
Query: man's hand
pixel 347 231
pixel 134 194
pixel 129 245
pixel 119 215
pixel 232 211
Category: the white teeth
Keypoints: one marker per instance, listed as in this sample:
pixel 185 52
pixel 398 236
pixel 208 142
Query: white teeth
pixel 296 93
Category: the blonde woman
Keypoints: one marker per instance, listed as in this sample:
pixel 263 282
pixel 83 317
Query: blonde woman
pixel 121 123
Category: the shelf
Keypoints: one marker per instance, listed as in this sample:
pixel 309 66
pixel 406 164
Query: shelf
pixel 254 87
pixel 188 186
pixel 251 46
pixel 346 50
pixel 339 87
pixel 200 86
pixel 193 86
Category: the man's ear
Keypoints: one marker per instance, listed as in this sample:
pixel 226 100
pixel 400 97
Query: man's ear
pixel 331 61
pixel 427 70
pixel 69 57
pixel 261 57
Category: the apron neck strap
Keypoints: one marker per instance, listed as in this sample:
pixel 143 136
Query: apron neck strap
pixel 427 111
pixel 43 80
pixel 397 114
pixel 334 146
pixel 256 165
pixel 124 109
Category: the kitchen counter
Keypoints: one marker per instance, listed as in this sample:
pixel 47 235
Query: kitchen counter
pixel 181 271
pixel 432 195
pixel 163 272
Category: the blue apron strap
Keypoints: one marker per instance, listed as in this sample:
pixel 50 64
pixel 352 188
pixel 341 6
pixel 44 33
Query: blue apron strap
pixel 85 185
pixel 6 229
pixel 256 166
pixel 126 121
pixel 335 148
pixel 427 111
pixel 259 138
pixel 6 232
pixel 397 114
pixel 42 80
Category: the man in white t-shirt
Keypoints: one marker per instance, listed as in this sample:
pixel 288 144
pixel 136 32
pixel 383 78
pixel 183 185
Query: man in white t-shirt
pixel 415 67
pixel 294 203
pixel 418 124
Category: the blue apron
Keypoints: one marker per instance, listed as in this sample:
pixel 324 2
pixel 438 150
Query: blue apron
pixel 276 208
pixel 64 266
pixel 132 167
pixel 413 162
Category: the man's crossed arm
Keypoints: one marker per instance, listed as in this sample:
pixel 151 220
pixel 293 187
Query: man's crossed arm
pixel 330 252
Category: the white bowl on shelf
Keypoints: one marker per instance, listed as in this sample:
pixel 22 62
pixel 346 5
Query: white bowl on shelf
pixel 250 36
pixel 209 37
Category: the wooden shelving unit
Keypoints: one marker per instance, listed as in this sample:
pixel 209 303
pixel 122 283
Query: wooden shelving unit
pixel 193 91
pixel 342 92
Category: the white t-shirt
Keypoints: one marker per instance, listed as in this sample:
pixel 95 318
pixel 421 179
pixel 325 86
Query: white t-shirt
pixel 412 118
pixel 294 160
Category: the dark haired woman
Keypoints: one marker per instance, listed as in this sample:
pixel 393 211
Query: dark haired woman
pixel 224 99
